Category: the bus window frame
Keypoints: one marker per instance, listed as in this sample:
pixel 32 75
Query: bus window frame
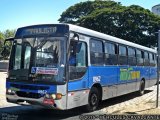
pixel 146 60
pixel 102 52
pixel 86 57
pixel 141 58
pixel 132 57
pixel 153 63
pixel 122 45
pixel 115 54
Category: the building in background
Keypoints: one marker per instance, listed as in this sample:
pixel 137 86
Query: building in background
pixel 156 9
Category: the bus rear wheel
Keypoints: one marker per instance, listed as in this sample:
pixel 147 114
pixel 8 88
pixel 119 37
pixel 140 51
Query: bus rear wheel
pixel 142 87
pixel 93 100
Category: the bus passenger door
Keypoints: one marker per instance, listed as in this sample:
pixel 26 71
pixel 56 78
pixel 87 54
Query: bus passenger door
pixel 78 75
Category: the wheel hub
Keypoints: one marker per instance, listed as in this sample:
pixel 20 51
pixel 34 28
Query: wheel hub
pixel 93 99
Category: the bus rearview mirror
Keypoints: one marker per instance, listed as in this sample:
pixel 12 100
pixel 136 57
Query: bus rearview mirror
pixel 3 53
pixel 6 47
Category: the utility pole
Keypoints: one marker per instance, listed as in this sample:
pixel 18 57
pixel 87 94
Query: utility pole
pixel 158 60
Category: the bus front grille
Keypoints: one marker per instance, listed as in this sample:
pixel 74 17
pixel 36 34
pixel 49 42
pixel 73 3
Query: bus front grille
pixel 29 87
pixel 29 94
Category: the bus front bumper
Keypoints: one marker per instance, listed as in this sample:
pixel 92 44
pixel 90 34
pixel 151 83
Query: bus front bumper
pixel 56 104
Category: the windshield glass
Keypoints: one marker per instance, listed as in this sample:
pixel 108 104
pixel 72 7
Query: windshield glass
pixel 49 53
pixel 44 58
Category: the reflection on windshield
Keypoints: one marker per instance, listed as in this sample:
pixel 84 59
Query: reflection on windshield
pixel 48 54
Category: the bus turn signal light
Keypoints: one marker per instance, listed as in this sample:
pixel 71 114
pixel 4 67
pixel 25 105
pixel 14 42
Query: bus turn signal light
pixel 58 96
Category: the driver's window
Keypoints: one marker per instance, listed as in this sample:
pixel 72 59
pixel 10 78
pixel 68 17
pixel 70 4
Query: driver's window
pixel 77 59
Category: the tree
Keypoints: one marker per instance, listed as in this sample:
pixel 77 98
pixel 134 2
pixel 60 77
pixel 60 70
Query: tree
pixel 3 36
pixel 132 23
pixel 9 33
pixel 1 40
pixel 74 13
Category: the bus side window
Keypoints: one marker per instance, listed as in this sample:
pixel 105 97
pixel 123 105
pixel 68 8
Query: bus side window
pixel 96 52
pixel 110 54
pixel 146 59
pixel 155 59
pixel 139 55
pixel 152 59
pixel 123 59
pixel 131 56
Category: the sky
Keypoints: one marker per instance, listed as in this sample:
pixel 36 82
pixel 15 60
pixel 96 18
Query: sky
pixel 19 13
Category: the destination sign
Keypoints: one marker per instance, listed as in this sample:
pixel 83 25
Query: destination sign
pixel 35 30
pixel 47 30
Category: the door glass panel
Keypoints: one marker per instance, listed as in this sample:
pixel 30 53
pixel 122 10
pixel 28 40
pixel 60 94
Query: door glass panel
pixel 17 63
pixel 77 60
pixel 27 57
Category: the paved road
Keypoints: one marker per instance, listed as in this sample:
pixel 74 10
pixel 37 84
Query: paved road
pixel 111 106
pixel 3 65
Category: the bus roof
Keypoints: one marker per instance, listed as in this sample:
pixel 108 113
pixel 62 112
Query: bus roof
pixel 93 33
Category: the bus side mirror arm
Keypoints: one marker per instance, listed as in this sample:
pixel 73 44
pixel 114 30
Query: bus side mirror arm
pixel 4 51
pixel 8 40
pixel 74 35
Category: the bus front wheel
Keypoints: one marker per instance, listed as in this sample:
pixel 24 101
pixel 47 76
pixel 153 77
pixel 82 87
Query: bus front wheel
pixel 93 100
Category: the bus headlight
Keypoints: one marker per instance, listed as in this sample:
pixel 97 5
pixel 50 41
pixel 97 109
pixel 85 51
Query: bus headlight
pixel 47 96
pixel 10 92
pixel 53 96
pixel 56 96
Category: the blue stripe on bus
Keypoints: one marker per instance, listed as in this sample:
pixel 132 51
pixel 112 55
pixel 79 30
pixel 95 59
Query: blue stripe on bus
pixel 112 75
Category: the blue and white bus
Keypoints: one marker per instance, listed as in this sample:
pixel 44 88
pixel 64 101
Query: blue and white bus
pixel 63 66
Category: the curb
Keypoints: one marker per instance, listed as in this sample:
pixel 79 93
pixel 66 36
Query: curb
pixel 3 70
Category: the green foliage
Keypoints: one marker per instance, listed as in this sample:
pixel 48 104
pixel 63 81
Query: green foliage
pixel 74 13
pixel 3 36
pixel 132 23
pixel 1 40
pixel 9 33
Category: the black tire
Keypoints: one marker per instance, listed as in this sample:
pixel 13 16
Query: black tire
pixel 142 87
pixel 93 100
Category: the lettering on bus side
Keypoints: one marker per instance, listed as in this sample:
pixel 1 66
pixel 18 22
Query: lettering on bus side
pixel 129 74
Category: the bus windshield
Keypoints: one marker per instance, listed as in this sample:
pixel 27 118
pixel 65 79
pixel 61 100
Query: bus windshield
pixel 43 58
pixel 49 53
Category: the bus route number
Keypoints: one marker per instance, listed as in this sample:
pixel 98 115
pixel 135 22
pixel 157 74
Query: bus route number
pixel 42 91
pixel 96 79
